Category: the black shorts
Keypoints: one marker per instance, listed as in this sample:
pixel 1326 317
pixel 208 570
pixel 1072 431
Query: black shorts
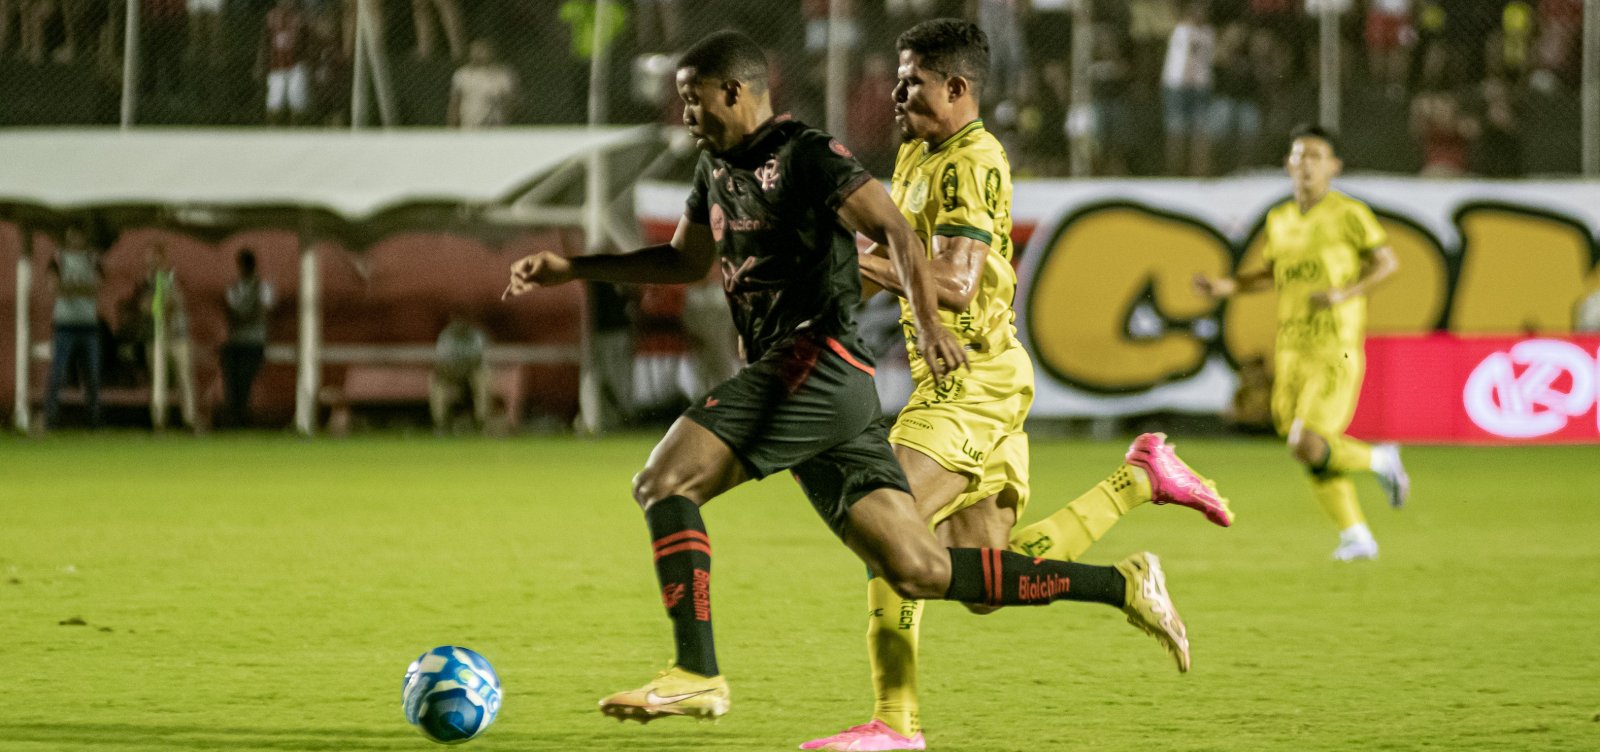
pixel 810 407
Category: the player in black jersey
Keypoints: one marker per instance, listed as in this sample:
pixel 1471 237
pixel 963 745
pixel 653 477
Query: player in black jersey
pixel 777 204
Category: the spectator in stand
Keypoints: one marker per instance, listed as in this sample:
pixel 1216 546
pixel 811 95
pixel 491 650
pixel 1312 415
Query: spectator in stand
pixel 1008 69
pixel 1509 51
pixel 660 25
pixel 163 28
pixel 1186 91
pixel 29 17
pixel 1150 27
pixel 1390 38
pixel 161 300
pixel 1557 51
pixel 249 300
pixel 872 132
pixel 330 69
pixel 1111 124
pixel 282 60
pixel 483 91
pixel 448 13
pixel 75 339
pixel 205 33
pixel 1444 133
pixel 1234 122
pixel 1499 146
pixel 459 372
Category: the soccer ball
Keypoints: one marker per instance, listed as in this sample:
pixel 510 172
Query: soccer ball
pixel 451 694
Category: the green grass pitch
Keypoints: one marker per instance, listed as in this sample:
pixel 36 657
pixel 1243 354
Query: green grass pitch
pixel 266 593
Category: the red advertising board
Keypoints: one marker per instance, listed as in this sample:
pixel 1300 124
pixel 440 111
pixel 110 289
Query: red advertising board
pixel 1501 390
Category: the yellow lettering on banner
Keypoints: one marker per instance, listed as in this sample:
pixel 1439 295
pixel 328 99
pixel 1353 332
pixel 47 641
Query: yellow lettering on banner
pixel 1097 269
pixel 1520 271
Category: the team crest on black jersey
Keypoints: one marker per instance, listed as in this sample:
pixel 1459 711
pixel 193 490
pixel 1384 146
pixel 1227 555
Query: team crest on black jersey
pixel 767 174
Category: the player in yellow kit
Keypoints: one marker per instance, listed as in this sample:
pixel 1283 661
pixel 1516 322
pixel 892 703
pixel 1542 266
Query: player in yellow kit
pixel 960 439
pixel 1325 250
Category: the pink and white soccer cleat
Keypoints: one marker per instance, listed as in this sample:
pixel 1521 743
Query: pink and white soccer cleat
pixel 867 737
pixel 1174 482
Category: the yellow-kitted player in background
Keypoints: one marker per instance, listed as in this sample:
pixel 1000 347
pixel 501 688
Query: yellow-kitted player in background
pixel 1325 251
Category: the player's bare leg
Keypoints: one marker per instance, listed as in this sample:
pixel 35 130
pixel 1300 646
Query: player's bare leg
pixel 689 467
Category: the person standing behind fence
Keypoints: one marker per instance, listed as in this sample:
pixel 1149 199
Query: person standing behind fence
pixel 482 91
pixel 249 301
pixel 282 60
pixel 161 299
pixel 76 273
pixel 458 370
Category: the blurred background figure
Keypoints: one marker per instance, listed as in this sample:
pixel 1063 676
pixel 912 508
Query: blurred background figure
pixel 283 64
pixel 1233 120
pixel 483 91
pixel 1186 83
pixel 459 372
pixel 432 17
pixel 249 299
pixel 162 301
pixel 75 322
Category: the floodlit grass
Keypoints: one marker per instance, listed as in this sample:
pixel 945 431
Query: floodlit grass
pixel 266 593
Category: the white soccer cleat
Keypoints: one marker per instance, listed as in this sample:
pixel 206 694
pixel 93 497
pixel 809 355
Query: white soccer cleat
pixel 1356 544
pixel 1391 474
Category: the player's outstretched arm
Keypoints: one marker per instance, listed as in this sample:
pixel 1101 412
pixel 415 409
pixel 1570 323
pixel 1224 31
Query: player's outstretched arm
pixel 686 259
pixel 1222 287
pixel 870 211
pixel 957 268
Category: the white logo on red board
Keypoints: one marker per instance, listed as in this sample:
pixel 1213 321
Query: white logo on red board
pixel 1534 390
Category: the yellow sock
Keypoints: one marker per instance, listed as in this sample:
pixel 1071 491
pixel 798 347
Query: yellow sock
pixel 1348 455
pixel 1337 495
pixel 1068 533
pixel 892 626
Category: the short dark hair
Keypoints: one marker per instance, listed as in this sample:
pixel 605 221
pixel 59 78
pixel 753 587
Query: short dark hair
pixel 950 46
pixel 1312 130
pixel 730 56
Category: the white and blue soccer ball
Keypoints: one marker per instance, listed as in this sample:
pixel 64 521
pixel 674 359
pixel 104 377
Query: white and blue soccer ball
pixel 451 694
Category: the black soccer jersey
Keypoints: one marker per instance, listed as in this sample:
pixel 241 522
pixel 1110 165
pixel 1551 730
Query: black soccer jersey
pixel 788 263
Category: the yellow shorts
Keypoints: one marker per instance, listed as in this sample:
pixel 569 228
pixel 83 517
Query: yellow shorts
pixel 1319 389
pixel 972 425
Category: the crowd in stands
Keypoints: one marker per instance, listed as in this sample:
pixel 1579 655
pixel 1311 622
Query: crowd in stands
pixel 1442 87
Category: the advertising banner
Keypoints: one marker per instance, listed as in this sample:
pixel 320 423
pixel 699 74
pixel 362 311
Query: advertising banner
pixel 1106 304
pixel 1441 387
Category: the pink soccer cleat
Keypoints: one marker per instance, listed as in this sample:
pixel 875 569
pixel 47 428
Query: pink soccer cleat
pixel 1173 482
pixel 868 736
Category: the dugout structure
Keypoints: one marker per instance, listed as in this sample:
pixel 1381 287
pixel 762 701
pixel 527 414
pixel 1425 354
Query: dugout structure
pixel 353 187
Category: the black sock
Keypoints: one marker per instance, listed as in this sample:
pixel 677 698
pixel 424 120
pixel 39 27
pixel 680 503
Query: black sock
pixel 1002 578
pixel 683 566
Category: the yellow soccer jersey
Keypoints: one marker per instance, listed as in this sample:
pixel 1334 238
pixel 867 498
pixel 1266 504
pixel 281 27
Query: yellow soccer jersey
pixel 1314 252
pixel 963 188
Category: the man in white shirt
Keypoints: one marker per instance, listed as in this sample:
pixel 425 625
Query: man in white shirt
pixel 1186 91
pixel 482 91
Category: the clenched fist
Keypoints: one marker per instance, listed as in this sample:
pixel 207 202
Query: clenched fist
pixel 543 269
